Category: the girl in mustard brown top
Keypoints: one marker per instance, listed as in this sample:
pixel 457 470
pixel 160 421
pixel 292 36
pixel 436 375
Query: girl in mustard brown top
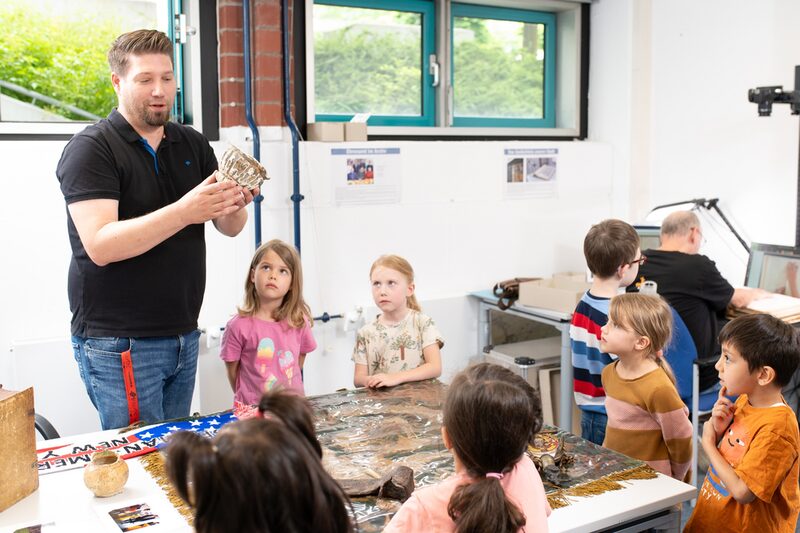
pixel 647 419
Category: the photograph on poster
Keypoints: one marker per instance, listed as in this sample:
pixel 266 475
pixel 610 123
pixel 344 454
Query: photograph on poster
pixel 360 172
pixel 134 517
pixel 780 274
pixel 366 175
pixel 540 168
pixel 515 170
pixel 530 172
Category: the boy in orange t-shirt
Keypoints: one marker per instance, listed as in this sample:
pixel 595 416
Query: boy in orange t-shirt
pixel 752 444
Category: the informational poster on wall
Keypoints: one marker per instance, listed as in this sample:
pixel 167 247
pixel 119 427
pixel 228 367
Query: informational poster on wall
pixel 530 172
pixel 366 175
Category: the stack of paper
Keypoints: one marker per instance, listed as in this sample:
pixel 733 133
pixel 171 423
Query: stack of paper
pixel 779 305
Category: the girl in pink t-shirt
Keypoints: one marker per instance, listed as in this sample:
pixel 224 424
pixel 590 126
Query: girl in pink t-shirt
pixel 265 344
pixel 490 415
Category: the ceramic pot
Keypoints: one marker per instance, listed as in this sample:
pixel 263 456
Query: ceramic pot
pixel 106 474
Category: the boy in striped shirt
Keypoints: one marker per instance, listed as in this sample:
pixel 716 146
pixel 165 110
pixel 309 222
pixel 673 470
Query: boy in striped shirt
pixel 613 256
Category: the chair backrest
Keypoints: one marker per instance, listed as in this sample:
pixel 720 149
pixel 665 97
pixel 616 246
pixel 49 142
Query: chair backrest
pixel 680 354
pixel 44 427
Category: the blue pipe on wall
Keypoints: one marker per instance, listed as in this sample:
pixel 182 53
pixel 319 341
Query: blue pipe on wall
pixel 248 111
pixel 287 114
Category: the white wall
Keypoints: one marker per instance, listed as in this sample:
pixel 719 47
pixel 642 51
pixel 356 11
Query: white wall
pixel 452 222
pixel 708 140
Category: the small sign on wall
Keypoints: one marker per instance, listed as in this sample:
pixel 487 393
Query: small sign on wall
pixel 366 175
pixel 530 172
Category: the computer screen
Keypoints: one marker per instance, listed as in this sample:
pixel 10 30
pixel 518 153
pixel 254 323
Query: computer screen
pixel 649 236
pixel 773 268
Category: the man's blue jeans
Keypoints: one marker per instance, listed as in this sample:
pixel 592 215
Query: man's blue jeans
pixel 593 426
pixel 163 367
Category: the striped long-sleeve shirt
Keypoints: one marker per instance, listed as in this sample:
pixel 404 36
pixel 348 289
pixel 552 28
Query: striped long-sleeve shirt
pixel 588 361
pixel 648 421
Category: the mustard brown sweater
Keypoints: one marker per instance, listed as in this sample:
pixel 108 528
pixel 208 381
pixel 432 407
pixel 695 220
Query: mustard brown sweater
pixel 648 421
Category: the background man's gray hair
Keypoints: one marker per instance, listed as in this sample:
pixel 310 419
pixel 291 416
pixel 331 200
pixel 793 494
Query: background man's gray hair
pixel 679 223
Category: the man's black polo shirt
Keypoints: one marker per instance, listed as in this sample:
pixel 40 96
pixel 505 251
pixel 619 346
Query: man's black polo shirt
pixel 692 285
pixel 157 293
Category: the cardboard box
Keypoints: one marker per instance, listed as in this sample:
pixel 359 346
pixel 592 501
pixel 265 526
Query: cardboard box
pixel 573 276
pixel 326 131
pixel 18 464
pixel 355 131
pixel 560 293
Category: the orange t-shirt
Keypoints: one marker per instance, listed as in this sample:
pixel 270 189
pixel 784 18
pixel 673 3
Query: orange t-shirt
pixel 761 445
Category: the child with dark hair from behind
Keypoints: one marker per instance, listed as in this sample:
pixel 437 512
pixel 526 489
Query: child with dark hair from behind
pixel 256 476
pixel 752 443
pixel 490 415
pixel 294 410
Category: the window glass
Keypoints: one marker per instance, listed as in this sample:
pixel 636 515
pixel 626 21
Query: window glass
pixel 54 66
pixel 498 68
pixel 370 60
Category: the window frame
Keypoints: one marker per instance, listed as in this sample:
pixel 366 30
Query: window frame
pixel 548 20
pixel 569 91
pixel 183 108
pixel 428 46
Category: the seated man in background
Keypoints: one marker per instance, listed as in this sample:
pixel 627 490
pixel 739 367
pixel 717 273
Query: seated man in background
pixel 693 286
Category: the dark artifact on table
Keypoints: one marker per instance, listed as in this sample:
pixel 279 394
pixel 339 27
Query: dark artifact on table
pixel 398 484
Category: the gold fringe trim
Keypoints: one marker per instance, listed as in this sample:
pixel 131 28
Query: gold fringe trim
pixel 561 498
pixel 154 465
pixel 557 500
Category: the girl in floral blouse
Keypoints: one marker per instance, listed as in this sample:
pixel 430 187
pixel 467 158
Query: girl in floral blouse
pixel 401 344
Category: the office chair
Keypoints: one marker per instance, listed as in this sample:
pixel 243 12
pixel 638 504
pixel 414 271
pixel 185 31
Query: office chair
pixel 681 354
pixel 44 427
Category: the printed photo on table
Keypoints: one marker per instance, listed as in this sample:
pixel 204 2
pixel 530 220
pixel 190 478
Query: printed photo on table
pixel 133 517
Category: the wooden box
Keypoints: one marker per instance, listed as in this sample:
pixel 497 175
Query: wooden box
pixel 355 131
pixel 560 293
pixel 18 465
pixel 325 131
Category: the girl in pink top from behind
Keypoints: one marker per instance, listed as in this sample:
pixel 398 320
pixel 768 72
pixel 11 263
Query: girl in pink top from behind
pixel 490 416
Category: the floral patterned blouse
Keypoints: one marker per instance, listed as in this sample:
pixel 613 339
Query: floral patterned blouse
pixel 390 349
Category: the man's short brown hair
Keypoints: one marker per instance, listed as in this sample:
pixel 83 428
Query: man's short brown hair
pixel 763 340
pixel 137 42
pixel 609 245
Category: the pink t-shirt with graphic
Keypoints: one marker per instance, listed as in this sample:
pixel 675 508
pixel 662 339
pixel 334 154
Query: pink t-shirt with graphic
pixel 268 355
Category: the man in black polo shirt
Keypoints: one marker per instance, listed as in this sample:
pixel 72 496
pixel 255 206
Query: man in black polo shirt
pixel 693 286
pixel 138 190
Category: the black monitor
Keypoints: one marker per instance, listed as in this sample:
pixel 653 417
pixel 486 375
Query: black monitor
pixel 771 268
pixel 649 237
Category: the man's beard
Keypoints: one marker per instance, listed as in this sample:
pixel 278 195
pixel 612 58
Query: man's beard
pixel 143 113
pixel 154 118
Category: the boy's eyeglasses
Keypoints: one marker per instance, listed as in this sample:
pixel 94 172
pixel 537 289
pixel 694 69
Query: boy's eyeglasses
pixel 642 260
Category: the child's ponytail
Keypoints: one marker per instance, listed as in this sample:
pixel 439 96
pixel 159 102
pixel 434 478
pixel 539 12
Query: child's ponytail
pixel 483 400
pixel 192 460
pixel 662 362
pixel 484 506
